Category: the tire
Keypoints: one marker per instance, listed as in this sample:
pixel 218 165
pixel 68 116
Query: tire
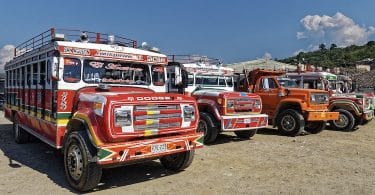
pixel 208 127
pixel 81 174
pixel 247 134
pixel 346 121
pixel 20 135
pixel 178 161
pixel 290 122
pixel 315 127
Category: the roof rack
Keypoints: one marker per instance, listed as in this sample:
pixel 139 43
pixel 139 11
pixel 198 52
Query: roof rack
pixel 54 34
pixel 192 59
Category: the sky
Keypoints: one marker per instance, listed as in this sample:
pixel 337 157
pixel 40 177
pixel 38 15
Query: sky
pixel 231 31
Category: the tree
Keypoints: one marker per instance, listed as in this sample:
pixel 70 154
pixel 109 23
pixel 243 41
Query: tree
pixel 333 46
pixel 322 47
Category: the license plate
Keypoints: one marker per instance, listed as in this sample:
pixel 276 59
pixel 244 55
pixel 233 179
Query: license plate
pixel 246 120
pixel 157 148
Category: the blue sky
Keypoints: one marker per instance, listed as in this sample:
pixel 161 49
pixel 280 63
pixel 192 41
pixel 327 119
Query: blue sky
pixel 233 31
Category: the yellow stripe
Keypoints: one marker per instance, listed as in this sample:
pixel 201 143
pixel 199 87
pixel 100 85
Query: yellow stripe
pixel 62 122
pixel 96 140
pixel 151 112
pixel 150 121
pixel 150 132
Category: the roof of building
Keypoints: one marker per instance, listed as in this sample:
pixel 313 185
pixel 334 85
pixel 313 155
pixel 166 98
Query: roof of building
pixel 261 64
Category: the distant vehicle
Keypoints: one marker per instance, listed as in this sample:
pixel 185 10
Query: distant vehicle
pixel 292 110
pixel 354 108
pixel 221 109
pixel 101 100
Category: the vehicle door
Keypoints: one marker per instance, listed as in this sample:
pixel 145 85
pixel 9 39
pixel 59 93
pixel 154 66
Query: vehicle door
pixel 268 90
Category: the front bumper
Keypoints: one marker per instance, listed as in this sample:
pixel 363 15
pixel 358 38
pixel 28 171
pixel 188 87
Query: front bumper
pixel 243 122
pixel 368 115
pixel 322 116
pixel 112 154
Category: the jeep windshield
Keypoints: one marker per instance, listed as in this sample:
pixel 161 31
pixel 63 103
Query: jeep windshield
pixel 213 81
pixel 116 72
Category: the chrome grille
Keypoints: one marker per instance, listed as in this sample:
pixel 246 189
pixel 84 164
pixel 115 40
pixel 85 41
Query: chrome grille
pixel 157 117
pixel 243 105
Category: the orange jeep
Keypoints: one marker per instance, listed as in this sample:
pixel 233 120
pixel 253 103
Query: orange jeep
pixel 292 110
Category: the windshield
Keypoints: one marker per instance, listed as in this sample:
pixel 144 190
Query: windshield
pixel 288 83
pixel 115 72
pixel 214 81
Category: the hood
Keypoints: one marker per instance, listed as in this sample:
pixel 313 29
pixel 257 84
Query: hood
pixel 131 94
pixel 222 93
pixel 299 90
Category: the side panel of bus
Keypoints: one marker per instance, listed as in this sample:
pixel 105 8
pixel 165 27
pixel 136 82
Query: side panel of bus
pixel 30 95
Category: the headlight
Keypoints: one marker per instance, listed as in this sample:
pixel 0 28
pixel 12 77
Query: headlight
pixel 189 114
pixel 319 98
pixel 257 104
pixel 123 118
pixel 230 104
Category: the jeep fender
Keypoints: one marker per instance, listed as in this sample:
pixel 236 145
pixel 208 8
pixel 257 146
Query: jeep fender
pixel 209 106
pixel 290 103
pixel 346 105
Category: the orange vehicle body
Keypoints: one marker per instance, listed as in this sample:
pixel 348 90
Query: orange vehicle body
pixel 277 99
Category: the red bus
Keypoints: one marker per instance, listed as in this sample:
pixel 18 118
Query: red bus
pixel 100 99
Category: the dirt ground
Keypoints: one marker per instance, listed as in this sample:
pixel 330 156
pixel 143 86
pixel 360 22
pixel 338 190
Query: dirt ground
pixel 331 162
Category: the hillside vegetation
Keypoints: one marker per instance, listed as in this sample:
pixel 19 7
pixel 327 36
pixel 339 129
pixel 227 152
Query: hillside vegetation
pixel 332 56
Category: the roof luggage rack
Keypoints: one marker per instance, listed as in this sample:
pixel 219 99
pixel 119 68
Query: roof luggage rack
pixel 54 34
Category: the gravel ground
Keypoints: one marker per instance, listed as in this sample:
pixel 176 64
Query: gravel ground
pixel 331 162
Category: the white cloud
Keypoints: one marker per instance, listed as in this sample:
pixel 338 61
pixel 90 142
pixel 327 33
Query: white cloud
pixel 267 56
pixel 301 35
pixel 338 29
pixel 6 54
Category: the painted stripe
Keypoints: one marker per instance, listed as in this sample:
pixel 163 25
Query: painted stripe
pixel 228 123
pixel 62 122
pixel 123 157
pixel 151 132
pixel 83 117
pixel 152 112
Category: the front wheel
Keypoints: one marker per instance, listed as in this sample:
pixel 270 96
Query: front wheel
pixel 81 174
pixel 290 122
pixel 246 134
pixel 346 121
pixel 208 127
pixel 178 161
pixel 315 126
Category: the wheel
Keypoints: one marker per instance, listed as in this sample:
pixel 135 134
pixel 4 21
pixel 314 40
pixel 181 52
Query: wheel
pixel 20 135
pixel 290 122
pixel 208 127
pixel 315 126
pixel 178 161
pixel 346 121
pixel 81 174
pixel 246 134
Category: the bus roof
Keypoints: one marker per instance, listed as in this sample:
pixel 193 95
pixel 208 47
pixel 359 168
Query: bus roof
pixel 313 75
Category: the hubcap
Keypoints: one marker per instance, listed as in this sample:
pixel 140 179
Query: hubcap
pixel 288 123
pixel 75 162
pixel 202 127
pixel 342 122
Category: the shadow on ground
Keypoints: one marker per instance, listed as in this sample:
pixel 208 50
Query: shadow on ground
pixel 49 161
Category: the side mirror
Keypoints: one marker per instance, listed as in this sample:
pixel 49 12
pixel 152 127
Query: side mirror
pixel 184 78
pixel 55 68
pixel 178 76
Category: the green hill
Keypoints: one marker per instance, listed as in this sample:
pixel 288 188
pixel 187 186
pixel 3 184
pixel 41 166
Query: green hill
pixel 334 56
